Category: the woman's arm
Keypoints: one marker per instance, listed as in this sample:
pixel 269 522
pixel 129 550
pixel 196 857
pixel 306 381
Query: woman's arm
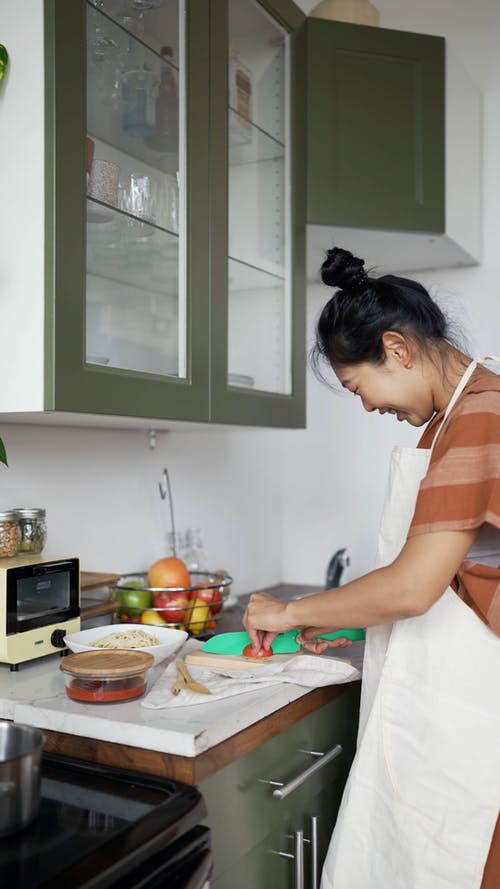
pixel 405 588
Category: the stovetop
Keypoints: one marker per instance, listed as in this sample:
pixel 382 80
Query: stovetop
pixel 94 819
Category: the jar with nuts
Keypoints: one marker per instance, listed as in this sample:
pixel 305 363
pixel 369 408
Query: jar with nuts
pixel 10 533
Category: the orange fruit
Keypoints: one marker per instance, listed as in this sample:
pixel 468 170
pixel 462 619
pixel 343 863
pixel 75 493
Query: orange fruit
pixel 168 572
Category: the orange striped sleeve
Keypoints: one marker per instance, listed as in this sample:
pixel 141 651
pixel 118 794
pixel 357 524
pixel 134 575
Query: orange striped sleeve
pixel 461 489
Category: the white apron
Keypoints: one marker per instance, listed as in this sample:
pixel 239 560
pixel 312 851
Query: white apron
pixel 423 795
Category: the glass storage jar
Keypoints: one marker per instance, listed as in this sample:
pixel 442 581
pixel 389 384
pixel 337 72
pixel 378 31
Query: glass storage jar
pixel 105 677
pixel 33 529
pixel 10 533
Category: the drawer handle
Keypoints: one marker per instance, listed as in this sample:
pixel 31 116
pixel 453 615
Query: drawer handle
pixel 298 858
pixel 314 852
pixel 322 759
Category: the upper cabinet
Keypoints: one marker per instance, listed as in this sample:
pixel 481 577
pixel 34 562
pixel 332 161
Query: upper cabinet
pixel 258 243
pixel 173 209
pixel 385 148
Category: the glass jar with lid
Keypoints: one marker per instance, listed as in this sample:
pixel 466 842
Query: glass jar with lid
pixel 33 529
pixel 10 533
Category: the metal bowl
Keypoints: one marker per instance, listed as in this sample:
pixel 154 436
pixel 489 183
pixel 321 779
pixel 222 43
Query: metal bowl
pixel 20 757
pixel 213 583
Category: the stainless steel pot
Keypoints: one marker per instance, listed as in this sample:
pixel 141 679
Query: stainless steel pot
pixel 20 756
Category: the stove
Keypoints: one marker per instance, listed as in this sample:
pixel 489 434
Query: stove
pixel 102 827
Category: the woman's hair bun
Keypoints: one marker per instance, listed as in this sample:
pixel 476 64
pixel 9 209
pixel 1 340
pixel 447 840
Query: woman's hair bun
pixel 342 269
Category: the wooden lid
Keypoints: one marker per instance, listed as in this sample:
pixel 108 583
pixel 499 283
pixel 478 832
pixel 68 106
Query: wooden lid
pixel 107 664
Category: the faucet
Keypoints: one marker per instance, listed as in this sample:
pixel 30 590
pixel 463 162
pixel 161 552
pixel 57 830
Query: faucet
pixel 336 565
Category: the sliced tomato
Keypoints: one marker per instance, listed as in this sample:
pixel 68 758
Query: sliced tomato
pixel 262 652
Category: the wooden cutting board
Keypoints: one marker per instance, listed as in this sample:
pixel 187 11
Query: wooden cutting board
pixel 234 661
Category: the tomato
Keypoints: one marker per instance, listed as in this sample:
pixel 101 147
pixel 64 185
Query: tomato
pixel 173 606
pixel 262 652
pixel 212 597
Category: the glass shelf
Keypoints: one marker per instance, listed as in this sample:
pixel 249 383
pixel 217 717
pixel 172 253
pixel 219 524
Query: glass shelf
pixel 245 276
pixel 108 114
pixel 249 143
pixel 131 251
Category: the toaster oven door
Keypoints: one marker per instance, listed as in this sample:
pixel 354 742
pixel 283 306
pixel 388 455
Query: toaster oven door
pixel 42 594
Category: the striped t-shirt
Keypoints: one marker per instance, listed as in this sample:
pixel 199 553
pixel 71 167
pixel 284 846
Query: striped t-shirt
pixel 461 490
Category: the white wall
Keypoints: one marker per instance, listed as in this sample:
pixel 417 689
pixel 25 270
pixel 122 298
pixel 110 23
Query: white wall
pixel 273 505
pixel 335 471
pixel 22 207
pixel 100 489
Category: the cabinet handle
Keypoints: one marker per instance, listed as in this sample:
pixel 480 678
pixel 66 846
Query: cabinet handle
pixel 314 852
pixel 298 858
pixel 284 790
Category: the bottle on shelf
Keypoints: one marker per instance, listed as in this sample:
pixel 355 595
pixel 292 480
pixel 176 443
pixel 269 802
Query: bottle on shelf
pixel 137 96
pixel 240 96
pixel 165 136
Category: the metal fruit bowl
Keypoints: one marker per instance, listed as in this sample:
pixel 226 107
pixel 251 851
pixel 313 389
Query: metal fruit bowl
pixel 213 585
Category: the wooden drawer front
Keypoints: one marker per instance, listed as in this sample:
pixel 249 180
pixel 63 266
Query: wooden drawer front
pixel 242 811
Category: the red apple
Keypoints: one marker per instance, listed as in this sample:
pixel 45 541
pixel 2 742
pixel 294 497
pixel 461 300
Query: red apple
pixel 173 606
pixel 213 597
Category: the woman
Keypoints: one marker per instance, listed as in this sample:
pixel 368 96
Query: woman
pixel 423 796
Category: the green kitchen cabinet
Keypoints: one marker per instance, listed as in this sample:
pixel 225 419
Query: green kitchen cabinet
pixel 394 149
pixel 376 127
pixel 257 837
pixel 174 215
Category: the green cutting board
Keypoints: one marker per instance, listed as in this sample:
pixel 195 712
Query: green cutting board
pixel 234 643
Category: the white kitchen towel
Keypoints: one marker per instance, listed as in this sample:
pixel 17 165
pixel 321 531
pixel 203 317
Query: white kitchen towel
pixel 311 671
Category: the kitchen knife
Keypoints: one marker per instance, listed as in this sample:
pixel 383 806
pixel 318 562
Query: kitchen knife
pixel 234 643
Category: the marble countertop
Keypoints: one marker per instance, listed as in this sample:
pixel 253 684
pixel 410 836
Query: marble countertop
pixel 35 695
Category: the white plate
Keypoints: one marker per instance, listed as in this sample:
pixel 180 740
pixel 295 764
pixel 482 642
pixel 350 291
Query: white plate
pixel 170 640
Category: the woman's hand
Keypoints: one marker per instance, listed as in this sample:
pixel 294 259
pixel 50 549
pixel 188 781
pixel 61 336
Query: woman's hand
pixel 264 618
pixel 307 638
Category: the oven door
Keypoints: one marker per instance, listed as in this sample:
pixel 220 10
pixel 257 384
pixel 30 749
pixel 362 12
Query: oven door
pixel 41 594
pixel 187 864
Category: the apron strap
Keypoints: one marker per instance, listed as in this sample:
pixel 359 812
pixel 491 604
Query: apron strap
pixel 458 391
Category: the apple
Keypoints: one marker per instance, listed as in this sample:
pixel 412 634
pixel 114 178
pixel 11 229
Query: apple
pixel 172 606
pixel 133 598
pixel 212 597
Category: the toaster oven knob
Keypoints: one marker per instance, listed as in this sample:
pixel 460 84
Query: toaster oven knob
pixel 57 638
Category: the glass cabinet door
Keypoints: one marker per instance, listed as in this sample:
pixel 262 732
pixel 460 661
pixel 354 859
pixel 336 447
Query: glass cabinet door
pixel 127 314
pixel 259 286
pixel 260 329
pixel 135 293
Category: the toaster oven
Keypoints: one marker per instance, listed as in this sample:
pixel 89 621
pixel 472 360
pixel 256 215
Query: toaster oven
pixel 39 605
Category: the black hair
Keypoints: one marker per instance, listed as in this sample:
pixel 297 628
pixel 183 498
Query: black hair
pixel 351 325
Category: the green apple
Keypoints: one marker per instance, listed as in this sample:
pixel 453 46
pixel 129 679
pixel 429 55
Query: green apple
pixel 132 595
